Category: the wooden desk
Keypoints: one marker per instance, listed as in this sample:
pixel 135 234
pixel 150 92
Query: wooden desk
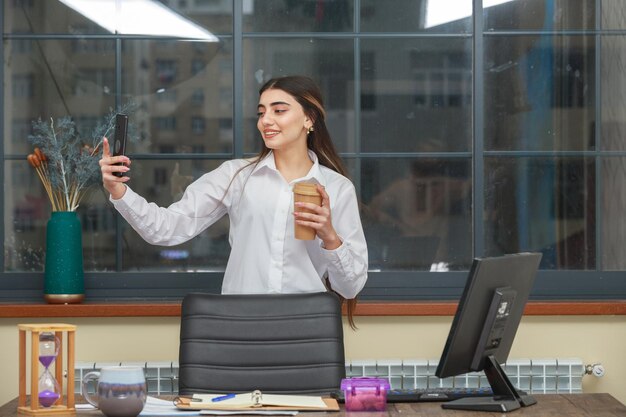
pixel 561 405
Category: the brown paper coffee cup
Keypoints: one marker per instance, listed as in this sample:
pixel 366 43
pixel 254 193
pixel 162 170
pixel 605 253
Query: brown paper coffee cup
pixel 307 193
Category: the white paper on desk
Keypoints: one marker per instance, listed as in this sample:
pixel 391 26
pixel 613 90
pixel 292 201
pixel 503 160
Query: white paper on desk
pixel 158 407
pixel 258 412
pixel 154 407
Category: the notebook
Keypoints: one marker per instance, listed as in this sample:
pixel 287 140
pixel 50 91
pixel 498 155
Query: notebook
pixel 256 400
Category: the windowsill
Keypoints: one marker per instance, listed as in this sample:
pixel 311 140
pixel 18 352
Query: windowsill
pixel 405 308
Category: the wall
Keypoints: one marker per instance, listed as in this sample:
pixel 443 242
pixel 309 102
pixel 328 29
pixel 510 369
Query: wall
pixel 592 338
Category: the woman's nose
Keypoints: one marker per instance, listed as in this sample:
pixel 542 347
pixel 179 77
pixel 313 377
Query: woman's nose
pixel 266 120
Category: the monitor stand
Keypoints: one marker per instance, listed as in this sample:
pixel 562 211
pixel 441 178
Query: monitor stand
pixel 505 396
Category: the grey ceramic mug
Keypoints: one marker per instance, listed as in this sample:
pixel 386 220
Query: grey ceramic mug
pixel 120 390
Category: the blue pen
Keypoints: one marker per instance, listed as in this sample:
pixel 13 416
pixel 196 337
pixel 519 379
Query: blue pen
pixel 223 397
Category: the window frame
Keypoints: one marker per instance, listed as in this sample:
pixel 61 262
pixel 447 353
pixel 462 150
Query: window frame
pixel 382 286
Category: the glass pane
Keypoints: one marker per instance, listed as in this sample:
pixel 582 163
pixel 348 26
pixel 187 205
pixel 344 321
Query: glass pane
pixel 98 218
pixel 542 204
pixel 215 16
pixel 298 16
pixel 351 167
pixel 423 102
pixel 184 92
pixel 27 210
pixel 613 14
pixel 613 209
pixel 196 19
pixel 163 182
pixel 330 62
pixel 59 78
pixel 613 85
pixel 442 16
pixel 540 15
pixel 417 213
pixel 33 16
pixel 539 93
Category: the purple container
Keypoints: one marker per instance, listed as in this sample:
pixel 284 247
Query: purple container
pixel 365 394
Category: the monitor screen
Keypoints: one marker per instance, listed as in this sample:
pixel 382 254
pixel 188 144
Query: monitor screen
pixel 484 326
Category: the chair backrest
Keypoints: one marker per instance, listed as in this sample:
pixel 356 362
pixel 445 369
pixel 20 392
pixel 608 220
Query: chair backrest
pixel 278 343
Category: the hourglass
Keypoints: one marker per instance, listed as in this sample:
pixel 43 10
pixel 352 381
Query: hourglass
pixel 49 389
pixel 46 389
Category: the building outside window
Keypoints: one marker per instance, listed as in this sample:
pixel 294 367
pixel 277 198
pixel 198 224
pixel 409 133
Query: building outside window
pixel 197 65
pixel 165 123
pixel 197 125
pixel 23 86
pixel 166 70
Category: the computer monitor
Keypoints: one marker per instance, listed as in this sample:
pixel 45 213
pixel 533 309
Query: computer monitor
pixel 484 326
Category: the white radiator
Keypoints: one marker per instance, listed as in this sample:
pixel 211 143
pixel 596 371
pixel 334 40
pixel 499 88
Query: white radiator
pixel 530 375
pixel 536 376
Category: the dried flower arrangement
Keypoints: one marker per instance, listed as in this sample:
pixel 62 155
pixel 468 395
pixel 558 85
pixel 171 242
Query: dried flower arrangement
pixel 66 165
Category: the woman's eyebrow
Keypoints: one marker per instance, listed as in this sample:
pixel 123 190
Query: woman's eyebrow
pixel 276 103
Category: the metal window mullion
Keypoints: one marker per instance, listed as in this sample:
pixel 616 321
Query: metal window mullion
pixel 598 137
pixel 350 35
pixel 478 131
pixel 2 162
pixel 104 36
pixel 119 237
pixel 238 79
pixel 357 97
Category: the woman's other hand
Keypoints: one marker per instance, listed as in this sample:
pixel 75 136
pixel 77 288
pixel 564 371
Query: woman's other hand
pixel 108 165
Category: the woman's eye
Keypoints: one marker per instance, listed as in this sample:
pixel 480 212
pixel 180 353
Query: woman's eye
pixel 259 114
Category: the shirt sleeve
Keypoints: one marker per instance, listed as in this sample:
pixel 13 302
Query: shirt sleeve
pixel 347 265
pixel 204 202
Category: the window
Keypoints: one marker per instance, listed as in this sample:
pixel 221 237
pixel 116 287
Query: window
pixel 457 148
pixel 23 3
pixel 160 176
pixel 197 66
pixel 85 124
pixel 23 86
pixel 90 82
pixel 167 149
pixel 22 46
pixel 197 97
pixel 165 123
pixel 166 70
pixel 197 125
pixel 20 129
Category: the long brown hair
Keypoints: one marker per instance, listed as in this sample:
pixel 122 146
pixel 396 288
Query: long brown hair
pixel 308 95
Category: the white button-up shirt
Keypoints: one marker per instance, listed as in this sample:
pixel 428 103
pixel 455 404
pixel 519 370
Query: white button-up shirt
pixel 265 257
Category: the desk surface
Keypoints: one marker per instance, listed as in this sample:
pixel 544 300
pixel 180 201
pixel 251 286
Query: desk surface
pixel 570 405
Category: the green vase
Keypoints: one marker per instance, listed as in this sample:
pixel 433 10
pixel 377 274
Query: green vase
pixel 64 277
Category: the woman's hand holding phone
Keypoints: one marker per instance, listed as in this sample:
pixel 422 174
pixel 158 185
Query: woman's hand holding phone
pixel 109 165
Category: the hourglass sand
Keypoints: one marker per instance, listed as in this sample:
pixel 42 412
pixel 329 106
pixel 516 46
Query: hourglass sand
pixel 46 390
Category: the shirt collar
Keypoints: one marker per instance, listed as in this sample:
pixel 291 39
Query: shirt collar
pixel 315 173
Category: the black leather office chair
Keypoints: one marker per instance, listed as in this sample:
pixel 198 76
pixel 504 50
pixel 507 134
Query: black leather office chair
pixel 278 343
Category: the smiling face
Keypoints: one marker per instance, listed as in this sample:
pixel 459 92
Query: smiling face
pixel 281 120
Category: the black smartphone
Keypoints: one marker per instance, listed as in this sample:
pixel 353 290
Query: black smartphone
pixel 121 132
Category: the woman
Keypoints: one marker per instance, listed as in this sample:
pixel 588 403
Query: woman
pixel 257 196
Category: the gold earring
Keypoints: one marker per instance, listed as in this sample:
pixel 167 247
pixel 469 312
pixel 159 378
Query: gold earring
pixel 309 130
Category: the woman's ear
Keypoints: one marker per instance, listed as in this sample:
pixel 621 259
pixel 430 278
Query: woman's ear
pixel 308 123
